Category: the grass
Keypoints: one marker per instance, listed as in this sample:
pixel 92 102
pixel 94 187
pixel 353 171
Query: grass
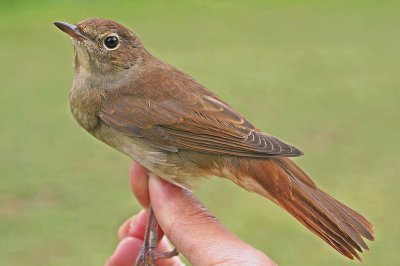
pixel 321 75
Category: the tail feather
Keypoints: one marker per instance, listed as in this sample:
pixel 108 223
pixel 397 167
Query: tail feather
pixel 366 224
pixel 287 185
pixel 322 229
pixel 334 213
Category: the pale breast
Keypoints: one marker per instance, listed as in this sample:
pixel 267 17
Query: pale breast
pixel 176 167
pixel 85 105
pixel 171 166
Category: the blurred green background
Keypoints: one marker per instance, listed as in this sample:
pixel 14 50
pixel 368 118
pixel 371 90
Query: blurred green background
pixel 323 75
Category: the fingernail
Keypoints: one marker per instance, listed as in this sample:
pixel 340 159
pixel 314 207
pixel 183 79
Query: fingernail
pixel 159 182
pixel 134 221
pixel 155 178
pixel 161 191
pixel 124 254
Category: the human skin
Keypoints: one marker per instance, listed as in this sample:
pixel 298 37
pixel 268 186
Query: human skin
pixel 186 222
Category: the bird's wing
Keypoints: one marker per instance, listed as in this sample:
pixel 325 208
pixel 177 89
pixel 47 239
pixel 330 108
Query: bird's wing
pixel 201 123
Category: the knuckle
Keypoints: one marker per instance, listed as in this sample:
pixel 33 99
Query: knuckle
pixel 240 255
pixel 246 258
pixel 195 217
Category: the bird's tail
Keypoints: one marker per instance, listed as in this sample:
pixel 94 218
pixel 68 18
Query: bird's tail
pixel 282 181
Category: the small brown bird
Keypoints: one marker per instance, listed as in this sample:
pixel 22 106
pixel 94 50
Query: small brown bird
pixel 181 131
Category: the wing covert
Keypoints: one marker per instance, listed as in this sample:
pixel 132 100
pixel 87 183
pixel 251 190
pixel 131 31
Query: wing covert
pixel 205 125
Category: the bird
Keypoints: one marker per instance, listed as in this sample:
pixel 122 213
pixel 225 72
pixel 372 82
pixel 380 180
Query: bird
pixel 179 130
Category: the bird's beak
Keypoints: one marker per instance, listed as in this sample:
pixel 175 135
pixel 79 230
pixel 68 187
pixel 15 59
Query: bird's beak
pixel 70 29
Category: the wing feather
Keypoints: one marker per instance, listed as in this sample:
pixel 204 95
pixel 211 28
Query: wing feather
pixel 188 119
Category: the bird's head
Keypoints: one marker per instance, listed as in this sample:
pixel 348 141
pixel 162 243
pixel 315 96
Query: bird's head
pixel 103 46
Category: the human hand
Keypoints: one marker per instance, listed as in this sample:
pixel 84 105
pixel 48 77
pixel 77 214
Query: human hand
pixel 194 231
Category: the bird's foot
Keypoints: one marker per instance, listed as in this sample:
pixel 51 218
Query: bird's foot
pixel 148 255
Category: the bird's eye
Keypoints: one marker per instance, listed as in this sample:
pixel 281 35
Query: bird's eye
pixel 111 42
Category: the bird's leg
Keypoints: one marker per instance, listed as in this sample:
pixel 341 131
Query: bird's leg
pixel 144 250
pixel 147 254
pixel 153 244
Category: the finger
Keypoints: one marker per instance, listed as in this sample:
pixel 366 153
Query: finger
pixel 136 227
pixel 133 225
pixel 164 246
pixel 195 231
pixel 128 250
pixel 124 228
pixel 139 182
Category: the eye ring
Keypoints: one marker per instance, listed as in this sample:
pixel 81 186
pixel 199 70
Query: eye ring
pixel 111 42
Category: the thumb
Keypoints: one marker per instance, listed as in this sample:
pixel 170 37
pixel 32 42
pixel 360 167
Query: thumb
pixel 195 232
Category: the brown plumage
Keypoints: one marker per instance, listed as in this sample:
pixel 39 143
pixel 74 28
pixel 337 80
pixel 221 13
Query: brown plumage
pixel 193 119
pixel 288 186
pixel 178 129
